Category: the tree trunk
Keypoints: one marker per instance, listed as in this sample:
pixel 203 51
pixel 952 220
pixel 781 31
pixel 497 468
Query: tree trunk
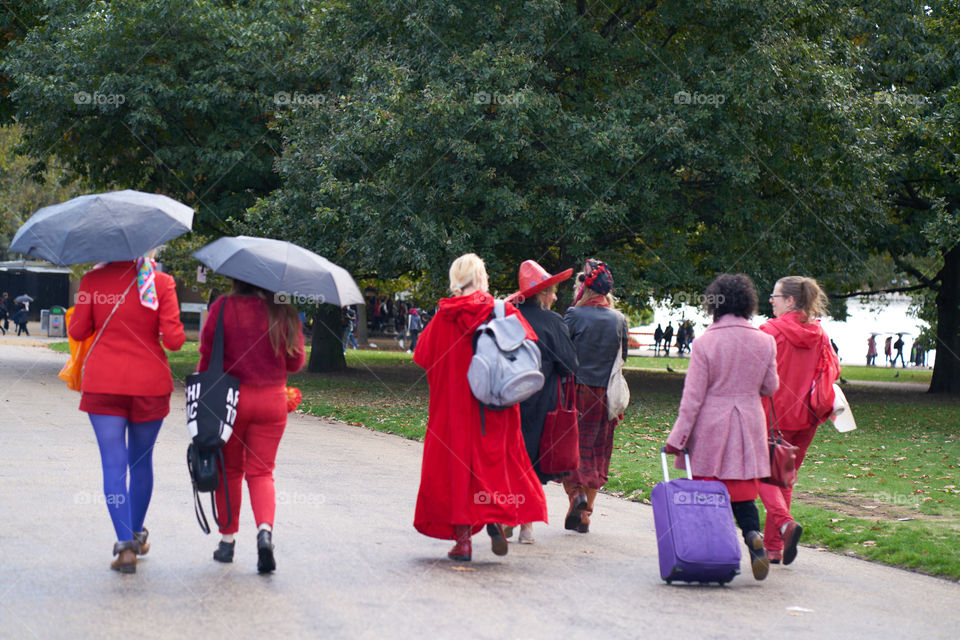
pixel 946 369
pixel 327 342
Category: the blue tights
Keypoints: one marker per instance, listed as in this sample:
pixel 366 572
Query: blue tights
pixel 126 444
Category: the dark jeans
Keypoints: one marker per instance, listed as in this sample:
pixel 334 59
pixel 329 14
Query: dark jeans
pixel 746 515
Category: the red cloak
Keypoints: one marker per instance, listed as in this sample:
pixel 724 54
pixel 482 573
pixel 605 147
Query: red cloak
pixel 468 477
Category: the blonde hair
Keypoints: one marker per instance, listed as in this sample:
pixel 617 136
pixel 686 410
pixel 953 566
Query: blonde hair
pixel 542 296
pixel 808 297
pixel 465 271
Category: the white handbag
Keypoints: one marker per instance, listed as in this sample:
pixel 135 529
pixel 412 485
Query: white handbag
pixel 618 393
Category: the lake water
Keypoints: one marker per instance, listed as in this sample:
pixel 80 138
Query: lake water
pixel 851 335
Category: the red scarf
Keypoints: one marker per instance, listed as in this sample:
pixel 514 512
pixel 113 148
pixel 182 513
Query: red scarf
pixel 596 301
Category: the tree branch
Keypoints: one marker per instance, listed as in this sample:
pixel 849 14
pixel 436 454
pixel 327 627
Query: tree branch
pixel 614 19
pixel 916 273
pixel 917 287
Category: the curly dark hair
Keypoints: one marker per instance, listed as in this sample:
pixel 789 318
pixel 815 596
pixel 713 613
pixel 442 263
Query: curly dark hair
pixel 731 293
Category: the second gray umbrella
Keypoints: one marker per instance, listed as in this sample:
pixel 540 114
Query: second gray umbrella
pixel 281 267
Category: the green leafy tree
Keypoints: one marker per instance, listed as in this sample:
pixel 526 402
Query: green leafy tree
pixel 169 96
pixel 674 140
pixel 910 67
pixel 22 191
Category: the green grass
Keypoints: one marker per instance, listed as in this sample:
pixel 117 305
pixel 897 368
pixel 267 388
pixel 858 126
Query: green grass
pixel 889 491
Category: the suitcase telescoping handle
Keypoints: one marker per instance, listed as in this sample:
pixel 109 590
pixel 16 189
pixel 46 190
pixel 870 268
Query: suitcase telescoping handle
pixel 666 472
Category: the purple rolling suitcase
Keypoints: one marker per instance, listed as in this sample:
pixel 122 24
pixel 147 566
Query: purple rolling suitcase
pixel 696 535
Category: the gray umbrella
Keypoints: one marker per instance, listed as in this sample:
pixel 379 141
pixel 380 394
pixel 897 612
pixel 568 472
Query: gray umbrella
pixel 281 267
pixel 102 227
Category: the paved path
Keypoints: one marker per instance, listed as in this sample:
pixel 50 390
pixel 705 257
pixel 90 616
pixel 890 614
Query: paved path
pixel 350 564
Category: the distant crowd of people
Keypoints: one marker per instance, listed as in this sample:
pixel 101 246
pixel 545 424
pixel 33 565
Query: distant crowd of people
pixel 684 338
pixel 893 351
pixel 385 316
pixel 19 312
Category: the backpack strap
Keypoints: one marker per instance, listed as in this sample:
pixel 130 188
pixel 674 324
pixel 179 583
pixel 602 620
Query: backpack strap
pixel 197 507
pixel 226 493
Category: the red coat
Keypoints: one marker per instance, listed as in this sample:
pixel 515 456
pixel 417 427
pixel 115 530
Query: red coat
pixel 798 352
pixel 469 478
pixel 128 358
pixel 248 354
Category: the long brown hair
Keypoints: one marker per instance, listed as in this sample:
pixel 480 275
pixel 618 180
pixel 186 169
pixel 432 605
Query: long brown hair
pixel 283 319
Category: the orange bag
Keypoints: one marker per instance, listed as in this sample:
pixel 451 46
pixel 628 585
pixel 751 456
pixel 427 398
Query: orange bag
pixel 72 372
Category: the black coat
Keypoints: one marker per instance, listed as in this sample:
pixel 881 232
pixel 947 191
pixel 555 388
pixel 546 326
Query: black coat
pixel 558 357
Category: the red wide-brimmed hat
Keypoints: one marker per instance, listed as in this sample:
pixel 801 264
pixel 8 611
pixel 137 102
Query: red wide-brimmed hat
pixel 534 279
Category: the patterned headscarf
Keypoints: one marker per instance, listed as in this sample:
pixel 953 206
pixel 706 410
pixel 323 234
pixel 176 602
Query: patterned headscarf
pixel 146 283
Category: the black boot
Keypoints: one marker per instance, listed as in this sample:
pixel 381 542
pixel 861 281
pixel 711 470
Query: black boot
pixel 265 561
pixel 224 552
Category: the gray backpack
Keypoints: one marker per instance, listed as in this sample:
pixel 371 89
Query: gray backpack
pixel 505 368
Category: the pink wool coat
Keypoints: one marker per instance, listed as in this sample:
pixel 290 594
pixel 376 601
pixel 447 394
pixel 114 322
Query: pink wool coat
pixel 721 418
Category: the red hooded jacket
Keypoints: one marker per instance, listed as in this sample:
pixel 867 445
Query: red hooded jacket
pixel 467 477
pixel 799 345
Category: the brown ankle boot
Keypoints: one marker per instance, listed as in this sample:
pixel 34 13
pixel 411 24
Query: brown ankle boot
pixel 126 553
pixel 140 537
pixel 463 550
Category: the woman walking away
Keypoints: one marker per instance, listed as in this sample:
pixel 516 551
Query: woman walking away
pixel 475 470
pixel 598 332
pixel 130 307
pixel 872 350
pixel 262 342
pixel 721 420
pixel 558 358
pixel 802 349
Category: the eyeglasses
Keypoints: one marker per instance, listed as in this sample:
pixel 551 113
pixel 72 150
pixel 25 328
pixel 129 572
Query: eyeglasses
pixel 777 295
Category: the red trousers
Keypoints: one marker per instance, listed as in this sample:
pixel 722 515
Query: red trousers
pixel 776 500
pixel 251 452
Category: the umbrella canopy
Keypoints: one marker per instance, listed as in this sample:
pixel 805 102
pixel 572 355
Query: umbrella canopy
pixel 281 267
pixel 23 298
pixel 102 227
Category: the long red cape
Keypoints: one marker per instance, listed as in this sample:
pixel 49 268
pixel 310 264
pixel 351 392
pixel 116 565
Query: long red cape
pixel 467 477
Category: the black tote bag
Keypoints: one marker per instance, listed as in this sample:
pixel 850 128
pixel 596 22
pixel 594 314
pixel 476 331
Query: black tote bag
pixel 212 398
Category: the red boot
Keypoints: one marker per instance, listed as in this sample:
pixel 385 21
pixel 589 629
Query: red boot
pixel 463 549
